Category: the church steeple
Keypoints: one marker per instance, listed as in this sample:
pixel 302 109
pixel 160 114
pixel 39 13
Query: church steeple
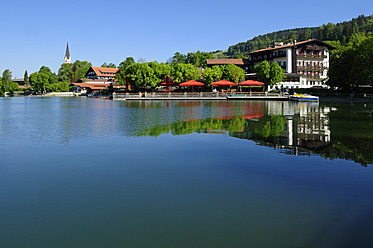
pixel 67 55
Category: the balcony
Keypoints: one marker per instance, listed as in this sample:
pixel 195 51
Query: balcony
pixel 311 56
pixel 321 68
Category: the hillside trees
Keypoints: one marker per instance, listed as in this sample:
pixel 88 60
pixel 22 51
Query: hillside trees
pixel 341 32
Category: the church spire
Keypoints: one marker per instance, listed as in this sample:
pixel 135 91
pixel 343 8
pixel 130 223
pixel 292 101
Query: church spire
pixel 67 55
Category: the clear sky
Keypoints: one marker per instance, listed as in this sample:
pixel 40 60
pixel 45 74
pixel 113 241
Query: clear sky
pixel 34 33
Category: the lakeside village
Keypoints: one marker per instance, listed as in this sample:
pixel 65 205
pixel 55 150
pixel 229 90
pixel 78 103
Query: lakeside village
pixel 277 72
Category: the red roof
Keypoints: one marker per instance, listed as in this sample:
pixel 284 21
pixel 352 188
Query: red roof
pixel 105 71
pixel 291 45
pixel 92 86
pixel 226 61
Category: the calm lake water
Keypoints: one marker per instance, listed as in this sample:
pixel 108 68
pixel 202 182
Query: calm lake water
pixel 79 172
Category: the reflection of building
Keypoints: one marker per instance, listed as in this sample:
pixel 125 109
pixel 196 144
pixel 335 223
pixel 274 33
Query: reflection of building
pixel 306 60
pixel 310 129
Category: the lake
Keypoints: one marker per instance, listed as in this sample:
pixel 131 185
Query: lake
pixel 83 172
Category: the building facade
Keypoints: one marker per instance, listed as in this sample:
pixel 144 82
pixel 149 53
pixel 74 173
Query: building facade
pixel 307 59
pixel 101 73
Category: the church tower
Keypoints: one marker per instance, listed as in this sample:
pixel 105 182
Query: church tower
pixel 67 55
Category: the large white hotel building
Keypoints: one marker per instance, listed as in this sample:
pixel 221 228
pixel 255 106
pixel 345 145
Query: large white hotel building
pixel 305 63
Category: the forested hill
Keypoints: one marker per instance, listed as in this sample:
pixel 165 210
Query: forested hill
pixel 328 32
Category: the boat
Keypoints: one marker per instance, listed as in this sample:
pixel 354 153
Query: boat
pixel 304 98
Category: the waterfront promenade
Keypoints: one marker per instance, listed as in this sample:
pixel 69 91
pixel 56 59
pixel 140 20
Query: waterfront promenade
pixel 198 96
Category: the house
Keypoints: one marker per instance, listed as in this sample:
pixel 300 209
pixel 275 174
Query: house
pixel 307 59
pixel 20 82
pixel 101 73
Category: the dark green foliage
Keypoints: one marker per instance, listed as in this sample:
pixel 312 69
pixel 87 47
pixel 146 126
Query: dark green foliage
pixel 328 32
pixel 73 72
pixel 25 79
pixel 352 65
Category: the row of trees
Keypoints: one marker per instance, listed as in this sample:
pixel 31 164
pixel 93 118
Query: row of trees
pixel 45 80
pixel 150 74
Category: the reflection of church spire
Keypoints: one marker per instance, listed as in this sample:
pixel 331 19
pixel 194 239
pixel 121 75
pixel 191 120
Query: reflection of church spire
pixel 67 55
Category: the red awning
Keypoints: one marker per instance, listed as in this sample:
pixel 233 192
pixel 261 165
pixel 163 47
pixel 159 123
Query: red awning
pixel 251 83
pixel 223 82
pixel 191 83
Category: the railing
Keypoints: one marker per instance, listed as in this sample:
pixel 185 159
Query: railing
pixel 316 56
pixel 145 95
pixel 312 67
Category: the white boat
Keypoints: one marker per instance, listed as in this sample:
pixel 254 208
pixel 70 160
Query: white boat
pixel 304 98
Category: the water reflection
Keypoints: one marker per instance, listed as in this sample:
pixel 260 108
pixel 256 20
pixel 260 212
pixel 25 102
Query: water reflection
pixel 329 130
pixel 292 128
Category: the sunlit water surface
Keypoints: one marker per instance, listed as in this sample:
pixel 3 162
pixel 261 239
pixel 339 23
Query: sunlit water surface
pixel 78 172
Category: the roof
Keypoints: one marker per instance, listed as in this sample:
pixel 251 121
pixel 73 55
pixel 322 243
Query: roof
pixel 227 61
pixel 105 71
pixel 292 44
pixel 67 55
pixel 92 86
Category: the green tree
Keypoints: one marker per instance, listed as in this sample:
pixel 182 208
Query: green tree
pixel 65 73
pixel 25 79
pixel 141 75
pixel 6 80
pixel 184 72
pixel 178 58
pixel 82 68
pixel 212 75
pixel 161 70
pixel 276 74
pixel 232 73
pixel 263 72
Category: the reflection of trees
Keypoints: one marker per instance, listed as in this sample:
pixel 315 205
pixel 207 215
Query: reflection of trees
pixel 350 128
pixel 352 136
pixel 199 126
pixel 270 126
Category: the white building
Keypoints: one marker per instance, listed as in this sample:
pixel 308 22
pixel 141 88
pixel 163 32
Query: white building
pixel 307 61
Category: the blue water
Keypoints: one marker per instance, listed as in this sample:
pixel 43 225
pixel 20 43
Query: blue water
pixel 78 172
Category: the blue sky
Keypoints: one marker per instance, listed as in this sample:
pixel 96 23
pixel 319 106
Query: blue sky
pixel 34 33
